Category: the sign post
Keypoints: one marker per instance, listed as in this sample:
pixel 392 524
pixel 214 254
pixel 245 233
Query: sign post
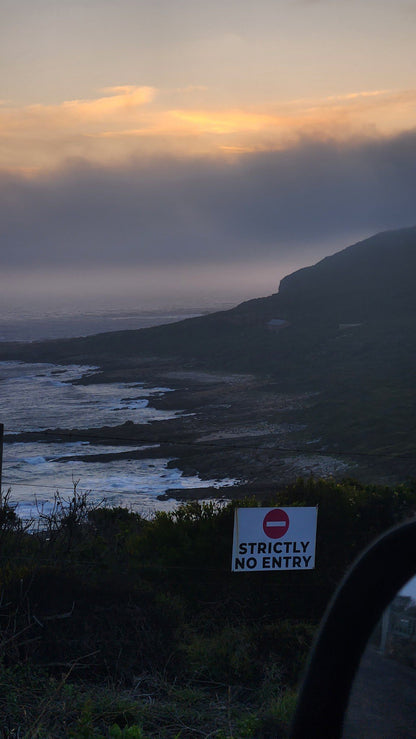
pixel 268 539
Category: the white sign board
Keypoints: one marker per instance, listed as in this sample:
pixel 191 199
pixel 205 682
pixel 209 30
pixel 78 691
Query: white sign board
pixel 274 539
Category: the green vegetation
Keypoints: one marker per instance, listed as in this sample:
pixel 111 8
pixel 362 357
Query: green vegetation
pixel 117 626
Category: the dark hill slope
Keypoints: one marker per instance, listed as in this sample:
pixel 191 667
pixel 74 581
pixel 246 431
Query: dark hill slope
pixel 350 336
pixel 372 279
pixel 371 283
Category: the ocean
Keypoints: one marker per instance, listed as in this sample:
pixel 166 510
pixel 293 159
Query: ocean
pixel 42 396
pixel 37 326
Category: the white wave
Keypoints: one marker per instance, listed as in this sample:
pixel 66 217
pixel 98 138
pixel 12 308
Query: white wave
pixel 35 460
pixel 37 398
pixel 133 404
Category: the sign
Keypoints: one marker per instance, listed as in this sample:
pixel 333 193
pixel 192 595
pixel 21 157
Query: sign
pixel 274 539
pixel 276 523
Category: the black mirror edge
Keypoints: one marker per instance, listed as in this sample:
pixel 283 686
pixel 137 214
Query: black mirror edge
pixel 358 603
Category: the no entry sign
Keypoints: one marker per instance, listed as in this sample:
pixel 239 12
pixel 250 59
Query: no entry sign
pixel 276 523
pixel 274 539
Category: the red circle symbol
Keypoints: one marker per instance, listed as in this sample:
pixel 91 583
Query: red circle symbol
pixel 276 523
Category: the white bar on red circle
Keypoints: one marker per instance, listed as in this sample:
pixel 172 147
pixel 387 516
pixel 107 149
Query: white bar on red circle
pixel 274 539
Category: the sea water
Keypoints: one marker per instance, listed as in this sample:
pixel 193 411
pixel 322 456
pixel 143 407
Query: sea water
pixel 43 396
pixel 38 326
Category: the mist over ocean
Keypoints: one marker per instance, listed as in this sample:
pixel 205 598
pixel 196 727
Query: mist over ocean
pixel 18 325
pixel 39 396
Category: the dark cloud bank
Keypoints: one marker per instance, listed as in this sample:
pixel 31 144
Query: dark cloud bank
pixel 161 211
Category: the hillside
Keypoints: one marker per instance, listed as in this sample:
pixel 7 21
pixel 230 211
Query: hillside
pixel 343 328
pixel 371 282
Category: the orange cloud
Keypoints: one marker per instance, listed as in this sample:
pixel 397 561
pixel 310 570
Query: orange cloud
pixel 124 100
pixel 127 120
pixel 121 103
pixel 223 122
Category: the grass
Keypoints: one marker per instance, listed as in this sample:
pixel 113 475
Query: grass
pixel 34 705
pixel 112 625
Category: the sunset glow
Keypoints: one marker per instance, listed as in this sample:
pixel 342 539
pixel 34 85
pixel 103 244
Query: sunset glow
pixel 183 132
pixel 129 120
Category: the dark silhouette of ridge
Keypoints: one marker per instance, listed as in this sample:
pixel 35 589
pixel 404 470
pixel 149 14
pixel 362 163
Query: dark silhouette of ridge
pixel 372 275
pixel 371 283
pixel 343 329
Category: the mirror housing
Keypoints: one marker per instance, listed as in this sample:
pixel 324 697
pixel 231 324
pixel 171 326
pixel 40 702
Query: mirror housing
pixel 356 607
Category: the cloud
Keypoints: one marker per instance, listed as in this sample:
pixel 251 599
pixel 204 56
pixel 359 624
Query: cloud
pixel 42 136
pixel 251 207
pixel 120 102
pixel 122 99
pixel 128 121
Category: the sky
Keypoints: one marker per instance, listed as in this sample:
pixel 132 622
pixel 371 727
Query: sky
pixel 178 150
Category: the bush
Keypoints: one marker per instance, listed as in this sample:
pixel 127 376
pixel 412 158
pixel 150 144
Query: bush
pixel 152 608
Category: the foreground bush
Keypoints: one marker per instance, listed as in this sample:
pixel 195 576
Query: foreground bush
pixel 113 623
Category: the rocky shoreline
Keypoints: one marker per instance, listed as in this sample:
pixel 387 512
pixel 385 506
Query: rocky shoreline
pixel 236 426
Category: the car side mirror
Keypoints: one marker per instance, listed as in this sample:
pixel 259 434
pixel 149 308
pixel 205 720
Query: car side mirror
pixel 355 609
